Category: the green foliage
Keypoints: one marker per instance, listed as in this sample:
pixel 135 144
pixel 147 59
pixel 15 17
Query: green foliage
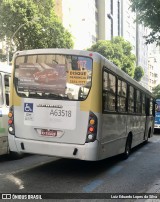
pixel 156 91
pixel 148 13
pixel 32 24
pixel 138 73
pixel 117 51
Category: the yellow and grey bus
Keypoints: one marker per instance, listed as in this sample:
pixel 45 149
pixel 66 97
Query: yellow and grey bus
pixel 85 108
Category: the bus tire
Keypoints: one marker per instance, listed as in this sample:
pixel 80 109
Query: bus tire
pixel 15 155
pixel 127 147
pixel 148 136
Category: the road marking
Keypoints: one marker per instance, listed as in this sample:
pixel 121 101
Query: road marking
pixel 16 181
pixel 93 185
pixel 31 166
pixel 139 153
pixel 131 158
pixel 114 170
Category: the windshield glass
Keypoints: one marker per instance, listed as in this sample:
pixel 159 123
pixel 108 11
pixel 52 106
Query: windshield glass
pixel 53 76
pixel 157 106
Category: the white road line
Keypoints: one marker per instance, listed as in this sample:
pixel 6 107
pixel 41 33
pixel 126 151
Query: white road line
pixel 16 181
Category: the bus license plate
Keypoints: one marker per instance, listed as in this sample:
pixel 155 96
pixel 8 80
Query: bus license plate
pixel 48 133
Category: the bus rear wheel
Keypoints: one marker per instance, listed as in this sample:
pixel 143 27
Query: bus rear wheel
pixel 15 155
pixel 148 136
pixel 127 147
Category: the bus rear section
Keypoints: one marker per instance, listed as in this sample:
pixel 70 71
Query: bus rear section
pixel 53 115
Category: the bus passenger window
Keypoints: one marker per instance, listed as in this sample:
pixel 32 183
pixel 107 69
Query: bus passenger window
pixel 151 107
pixel 143 104
pixel 109 89
pixel 1 91
pixel 138 101
pixel 131 100
pixel 122 96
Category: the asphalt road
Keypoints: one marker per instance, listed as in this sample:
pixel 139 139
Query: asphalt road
pixel 33 174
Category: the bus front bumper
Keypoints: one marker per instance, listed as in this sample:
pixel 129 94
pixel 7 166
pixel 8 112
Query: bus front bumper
pixel 156 126
pixel 88 151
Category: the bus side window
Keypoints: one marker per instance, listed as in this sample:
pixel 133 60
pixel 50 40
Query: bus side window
pixel 143 104
pixel 109 91
pixel 148 107
pixel 152 110
pixel 154 107
pixel 138 102
pixel 7 94
pixel 131 100
pixel 1 91
pixel 122 96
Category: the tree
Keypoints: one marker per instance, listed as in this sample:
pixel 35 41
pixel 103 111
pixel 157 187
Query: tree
pixel 119 52
pixel 138 73
pixel 148 13
pixel 32 24
pixel 156 91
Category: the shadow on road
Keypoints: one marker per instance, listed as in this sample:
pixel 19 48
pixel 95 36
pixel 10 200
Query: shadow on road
pixel 6 157
pixel 156 131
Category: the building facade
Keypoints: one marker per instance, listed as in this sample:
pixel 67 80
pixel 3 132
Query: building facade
pixel 134 33
pixel 80 18
pixel 142 53
pixel 92 20
pixel 128 24
pixel 109 19
pixel 153 66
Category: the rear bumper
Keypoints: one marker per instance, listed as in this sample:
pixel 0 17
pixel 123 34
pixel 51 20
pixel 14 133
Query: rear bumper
pixel 88 151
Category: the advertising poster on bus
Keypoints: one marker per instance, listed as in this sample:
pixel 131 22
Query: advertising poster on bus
pixel 41 77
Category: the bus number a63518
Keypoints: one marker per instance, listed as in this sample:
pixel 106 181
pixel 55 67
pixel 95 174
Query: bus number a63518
pixel 61 112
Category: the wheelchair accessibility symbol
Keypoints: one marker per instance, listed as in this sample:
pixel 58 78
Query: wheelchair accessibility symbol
pixel 28 107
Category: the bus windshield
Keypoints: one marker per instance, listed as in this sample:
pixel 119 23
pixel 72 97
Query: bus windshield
pixel 53 76
pixel 158 106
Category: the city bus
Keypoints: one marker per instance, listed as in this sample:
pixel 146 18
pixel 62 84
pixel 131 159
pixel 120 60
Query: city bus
pixel 92 111
pixel 5 75
pixel 157 115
